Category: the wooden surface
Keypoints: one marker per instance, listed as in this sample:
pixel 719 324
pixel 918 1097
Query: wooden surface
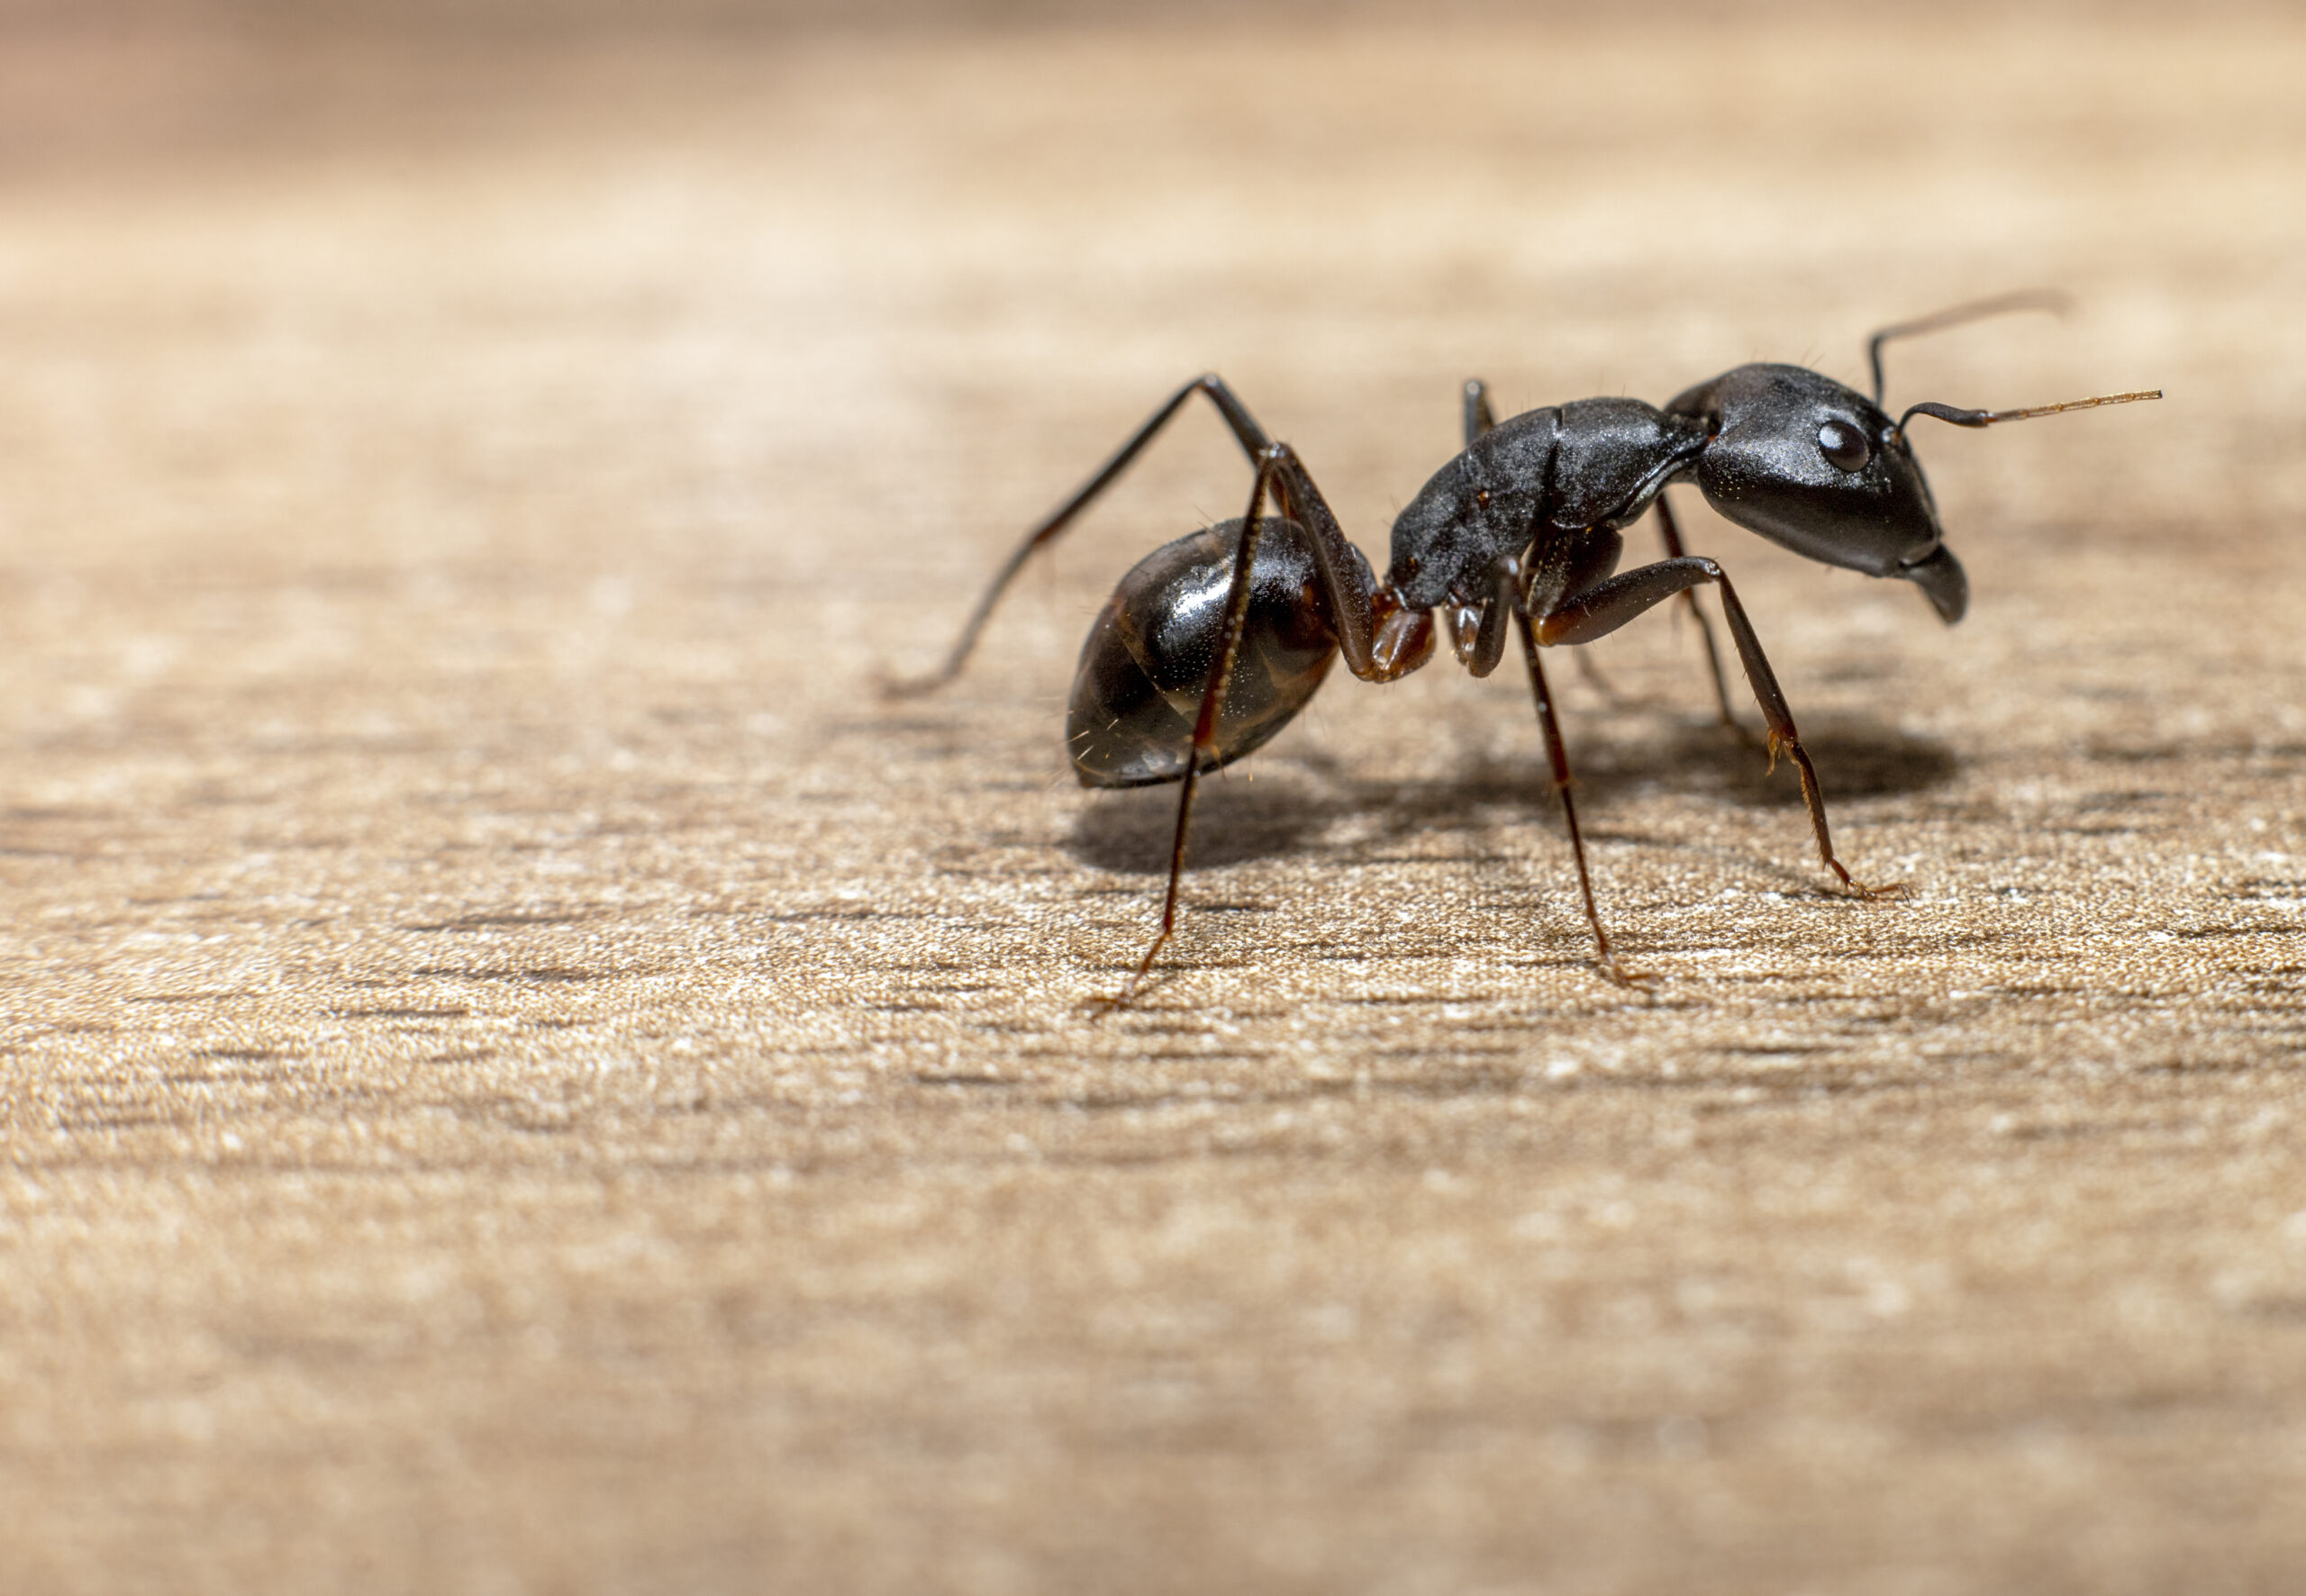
pixel 522 1075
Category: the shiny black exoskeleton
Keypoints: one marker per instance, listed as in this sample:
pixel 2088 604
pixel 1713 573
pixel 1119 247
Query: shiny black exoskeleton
pixel 1147 664
pixel 1212 643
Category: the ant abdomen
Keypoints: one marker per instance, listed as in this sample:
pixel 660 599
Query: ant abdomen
pixel 1146 665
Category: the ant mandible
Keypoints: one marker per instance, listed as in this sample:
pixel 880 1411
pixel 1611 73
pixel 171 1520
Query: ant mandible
pixel 1212 643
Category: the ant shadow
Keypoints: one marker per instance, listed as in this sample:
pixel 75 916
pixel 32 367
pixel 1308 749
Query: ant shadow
pixel 1291 802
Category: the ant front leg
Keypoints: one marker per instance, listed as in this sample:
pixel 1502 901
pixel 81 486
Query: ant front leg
pixel 1601 609
pixel 1246 433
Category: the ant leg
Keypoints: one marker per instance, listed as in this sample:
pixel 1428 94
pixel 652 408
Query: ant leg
pixel 1479 419
pixel 1246 430
pixel 1212 699
pixel 1380 640
pixel 1670 533
pixel 1558 755
pixel 1607 605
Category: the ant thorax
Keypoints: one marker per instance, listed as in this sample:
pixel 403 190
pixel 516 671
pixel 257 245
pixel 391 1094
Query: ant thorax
pixel 1593 463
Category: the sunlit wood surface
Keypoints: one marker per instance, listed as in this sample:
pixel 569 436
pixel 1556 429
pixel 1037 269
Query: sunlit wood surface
pixel 523 1074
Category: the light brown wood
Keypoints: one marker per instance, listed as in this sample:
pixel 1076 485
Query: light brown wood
pixel 523 1074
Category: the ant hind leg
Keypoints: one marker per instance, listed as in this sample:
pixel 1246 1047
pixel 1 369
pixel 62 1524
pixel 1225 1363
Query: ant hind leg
pixel 1246 431
pixel 1271 462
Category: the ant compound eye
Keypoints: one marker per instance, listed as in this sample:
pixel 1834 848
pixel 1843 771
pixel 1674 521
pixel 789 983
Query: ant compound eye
pixel 1844 446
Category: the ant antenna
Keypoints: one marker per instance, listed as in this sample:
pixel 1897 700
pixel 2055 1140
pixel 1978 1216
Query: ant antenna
pixel 2025 299
pixel 1988 417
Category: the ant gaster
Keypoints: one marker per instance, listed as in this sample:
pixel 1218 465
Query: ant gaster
pixel 1212 643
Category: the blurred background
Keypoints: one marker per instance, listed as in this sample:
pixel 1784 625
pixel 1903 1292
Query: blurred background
pixel 788 219
pixel 783 220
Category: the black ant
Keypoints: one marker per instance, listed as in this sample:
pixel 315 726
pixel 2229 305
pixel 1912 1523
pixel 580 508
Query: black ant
pixel 1212 642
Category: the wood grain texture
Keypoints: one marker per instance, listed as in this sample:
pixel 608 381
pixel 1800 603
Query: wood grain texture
pixel 523 1074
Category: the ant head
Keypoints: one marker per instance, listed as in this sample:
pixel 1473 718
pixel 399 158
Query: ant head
pixel 1823 470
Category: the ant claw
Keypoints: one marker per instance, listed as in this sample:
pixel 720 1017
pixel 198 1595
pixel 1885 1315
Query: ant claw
pixel 1858 889
pixel 1102 1006
pixel 1632 980
pixel 1106 1004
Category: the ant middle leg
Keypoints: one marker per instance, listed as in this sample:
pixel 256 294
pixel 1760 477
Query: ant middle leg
pixel 1602 608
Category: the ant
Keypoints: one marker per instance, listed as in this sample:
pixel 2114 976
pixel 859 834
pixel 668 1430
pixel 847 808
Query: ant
pixel 1212 643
